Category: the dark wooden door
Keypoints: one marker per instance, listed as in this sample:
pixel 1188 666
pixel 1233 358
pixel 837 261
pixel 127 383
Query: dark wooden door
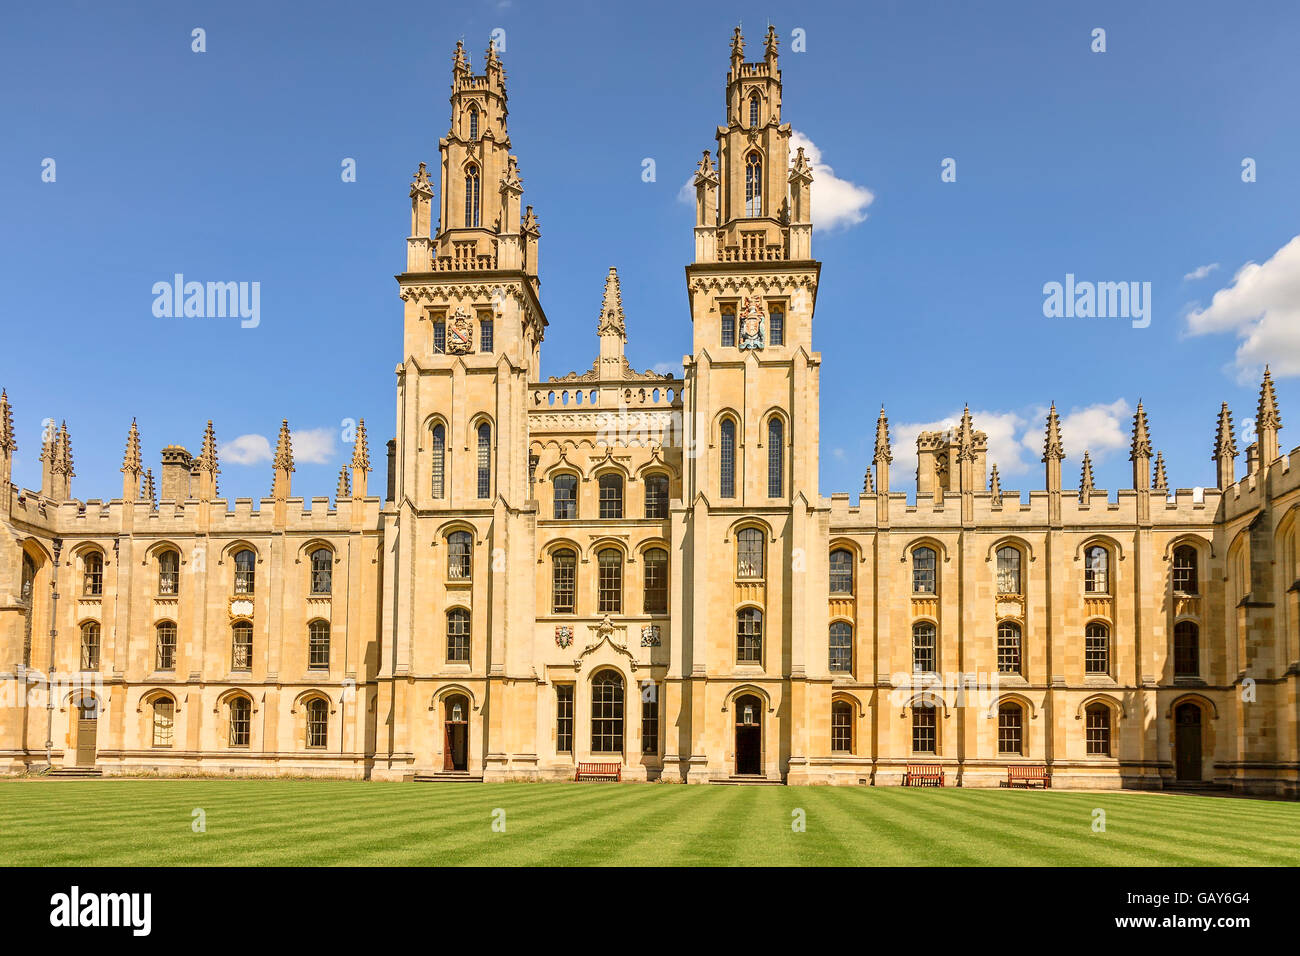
pixel 455 745
pixel 1187 742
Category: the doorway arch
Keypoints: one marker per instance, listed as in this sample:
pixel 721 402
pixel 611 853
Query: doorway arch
pixel 749 735
pixel 1188 738
pixel 455 733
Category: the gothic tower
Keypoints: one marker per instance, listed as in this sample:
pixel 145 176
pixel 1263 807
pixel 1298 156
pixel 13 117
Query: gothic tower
pixel 473 326
pixel 751 407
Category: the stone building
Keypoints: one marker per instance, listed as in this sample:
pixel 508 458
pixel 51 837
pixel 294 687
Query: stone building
pixel 639 568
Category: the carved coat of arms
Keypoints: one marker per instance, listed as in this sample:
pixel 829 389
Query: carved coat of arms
pixel 751 324
pixel 564 635
pixel 460 332
pixel 650 635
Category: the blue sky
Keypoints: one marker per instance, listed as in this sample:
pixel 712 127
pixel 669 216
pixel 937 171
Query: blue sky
pixel 1115 166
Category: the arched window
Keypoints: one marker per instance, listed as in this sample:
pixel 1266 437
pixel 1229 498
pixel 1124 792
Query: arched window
pixel 611 496
pixel 925 648
pixel 1096 570
pixel 318 645
pixel 565 495
pixel 473 123
pixel 656 496
pixel 655 562
pixel 245 575
pixel 923 570
pixel 609 585
pixel 241 646
pixel 27 588
pixel 241 721
pixel 438 463
pixel 749 636
pixel 753 185
pixel 92 574
pixel 90 646
pixel 841 644
pixel 727 459
pixel 164 721
pixel 1187 649
pixel 1185 570
pixel 749 553
pixel 169 572
pixel 322 571
pixel 165 644
pixel 460 551
pixel 841 571
pixel 607 713
pixel 1097 729
pixel 485 460
pixel 925 736
pixel 1096 648
pixel 1008 570
pixel 318 721
pixel 775 456
pixel 564 582
pixel 753 110
pixel 1008 647
pixel 728 326
pixel 458 636
pixel 842 727
pixel 1011 735
pixel 471 197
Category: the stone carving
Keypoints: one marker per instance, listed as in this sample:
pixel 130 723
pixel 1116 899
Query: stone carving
pixel 460 332
pixel 751 324
pixel 563 635
pixel 650 635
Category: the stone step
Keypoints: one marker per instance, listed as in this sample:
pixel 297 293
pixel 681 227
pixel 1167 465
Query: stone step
pixel 746 780
pixel 72 773
pixel 451 777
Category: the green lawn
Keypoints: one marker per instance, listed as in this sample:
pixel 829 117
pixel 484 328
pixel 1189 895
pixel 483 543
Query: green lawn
pixel 294 822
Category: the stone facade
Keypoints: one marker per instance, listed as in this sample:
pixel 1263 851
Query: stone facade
pixel 639 568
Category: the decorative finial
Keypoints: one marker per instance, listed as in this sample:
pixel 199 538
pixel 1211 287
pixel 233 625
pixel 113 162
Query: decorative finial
pixel 344 489
pixel 284 449
pixel 1085 479
pixel 1053 450
pixel 131 459
pixel 1141 436
pixel 361 449
pixel 1225 442
pixel 995 486
pixel 7 441
pixel 883 452
pixel 1267 415
pixel 1159 481
pixel 611 321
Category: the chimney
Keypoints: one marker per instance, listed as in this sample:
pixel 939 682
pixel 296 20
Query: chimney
pixel 176 468
pixel 392 469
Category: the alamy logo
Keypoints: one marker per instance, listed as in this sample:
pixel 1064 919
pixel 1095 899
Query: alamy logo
pixel 75 909
pixel 212 300
pixel 1098 300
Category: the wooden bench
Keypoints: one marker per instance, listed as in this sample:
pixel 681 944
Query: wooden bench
pixel 599 771
pixel 923 775
pixel 1028 775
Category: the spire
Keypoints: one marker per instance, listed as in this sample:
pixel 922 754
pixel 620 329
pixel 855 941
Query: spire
pixel 1267 421
pixel 1225 449
pixel 883 452
pixel 737 47
pixel 1158 481
pixel 1086 487
pixel 1141 437
pixel 131 467
pixel 1053 450
pixel 866 483
pixel 7 442
pixel 995 487
pixel 459 63
pixel 965 437
pixel 61 471
pixel 770 43
pixel 344 489
pixel 611 321
pixel 150 492
pixel 283 463
pixel 361 449
pixel 208 469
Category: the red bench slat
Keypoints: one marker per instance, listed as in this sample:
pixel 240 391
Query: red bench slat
pixel 923 774
pixel 1028 774
pixel 604 770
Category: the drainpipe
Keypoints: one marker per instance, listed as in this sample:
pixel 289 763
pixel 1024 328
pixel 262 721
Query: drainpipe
pixel 49 677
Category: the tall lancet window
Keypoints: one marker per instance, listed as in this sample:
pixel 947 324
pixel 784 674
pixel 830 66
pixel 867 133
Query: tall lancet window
pixel 471 197
pixel 775 456
pixel 473 123
pixel 484 461
pixel 753 111
pixel 439 462
pixel 753 185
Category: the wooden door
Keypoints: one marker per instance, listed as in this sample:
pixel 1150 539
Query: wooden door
pixel 87 729
pixel 1187 742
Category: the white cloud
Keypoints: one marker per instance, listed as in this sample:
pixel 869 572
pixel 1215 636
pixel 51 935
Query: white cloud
pixel 245 450
pixel 668 368
pixel 1261 305
pixel 1098 429
pixel 1200 272
pixel 314 446
pixel 836 202
pixel 1015 438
